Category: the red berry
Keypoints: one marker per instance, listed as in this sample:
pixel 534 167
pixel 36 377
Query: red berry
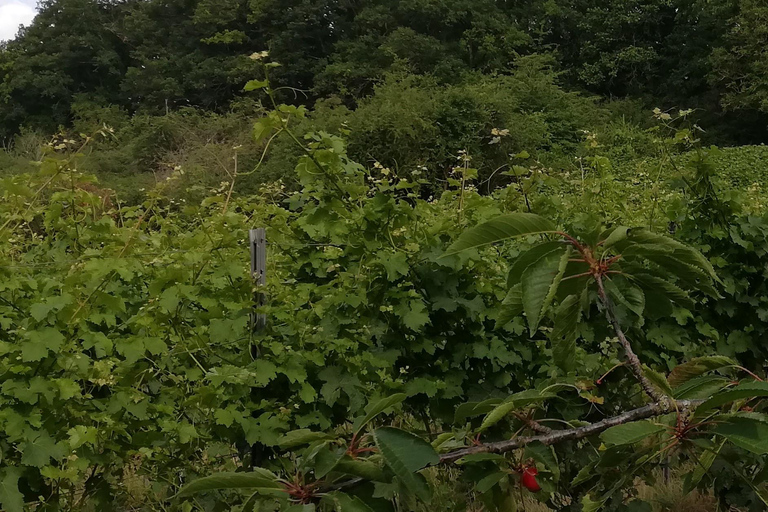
pixel 528 479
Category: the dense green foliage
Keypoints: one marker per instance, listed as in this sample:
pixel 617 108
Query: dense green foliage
pixel 487 221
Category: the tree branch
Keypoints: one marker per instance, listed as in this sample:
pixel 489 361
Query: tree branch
pixel 557 436
pixel 634 362
pixel 554 436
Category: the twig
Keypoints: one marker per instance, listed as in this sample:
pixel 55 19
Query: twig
pixel 635 365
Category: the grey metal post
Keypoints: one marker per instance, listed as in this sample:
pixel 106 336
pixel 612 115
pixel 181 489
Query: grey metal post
pixel 258 244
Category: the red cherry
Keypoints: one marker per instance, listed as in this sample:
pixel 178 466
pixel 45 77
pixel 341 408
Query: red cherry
pixel 528 479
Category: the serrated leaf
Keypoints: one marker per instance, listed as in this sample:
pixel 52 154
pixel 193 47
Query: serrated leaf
pixel 514 402
pixel 700 387
pixel 746 390
pixel 362 468
pixel 511 306
pixel 615 235
pixel 265 481
pixel 539 285
pixel 546 456
pixel 300 437
pixel 630 433
pixel 472 409
pixel 377 408
pixel 695 367
pixel 345 503
pixel 563 335
pixel 405 454
pixel 487 482
pixel 660 286
pixel 657 380
pixel 703 463
pixel 748 432
pixel 528 258
pixel 624 293
pixel 498 229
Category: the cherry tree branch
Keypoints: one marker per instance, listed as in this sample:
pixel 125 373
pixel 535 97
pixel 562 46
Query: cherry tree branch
pixel 554 436
pixel 635 365
pixel 557 436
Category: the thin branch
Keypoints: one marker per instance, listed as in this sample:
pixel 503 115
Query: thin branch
pixel 635 365
pixel 557 436
pixel 553 437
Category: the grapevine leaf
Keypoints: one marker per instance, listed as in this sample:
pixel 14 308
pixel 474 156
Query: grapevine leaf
pixel 498 229
pixel 11 499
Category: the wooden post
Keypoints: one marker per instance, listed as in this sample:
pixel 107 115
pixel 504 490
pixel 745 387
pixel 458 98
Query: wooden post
pixel 258 244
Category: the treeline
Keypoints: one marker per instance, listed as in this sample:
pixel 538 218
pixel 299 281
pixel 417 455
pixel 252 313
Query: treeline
pixel 154 57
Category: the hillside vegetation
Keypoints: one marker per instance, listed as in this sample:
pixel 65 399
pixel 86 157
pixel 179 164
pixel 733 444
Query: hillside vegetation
pixel 517 256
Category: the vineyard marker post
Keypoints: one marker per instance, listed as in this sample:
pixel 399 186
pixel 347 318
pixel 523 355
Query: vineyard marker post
pixel 258 245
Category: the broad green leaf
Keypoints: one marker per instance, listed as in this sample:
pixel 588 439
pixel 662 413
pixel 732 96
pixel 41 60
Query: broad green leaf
pixel 254 85
pixel 362 468
pixel 487 482
pixel 539 285
pixel 265 481
pixel 530 257
pixel 681 251
pixel 475 458
pixel 546 456
pixel 746 390
pixel 626 294
pixel 11 499
pixel 695 367
pixel 703 463
pixel 630 433
pixel 513 403
pixel 251 503
pixel 472 409
pixel 500 228
pixel 511 306
pixel 616 235
pixel 377 408
pixel 586 473
pixel 300 437
pixel 345 503
pixel 590 505
pixel 405 454
pixel 326 461
pixel 746 431
pixel 661 286
pixel 563 335
pixel 700 387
